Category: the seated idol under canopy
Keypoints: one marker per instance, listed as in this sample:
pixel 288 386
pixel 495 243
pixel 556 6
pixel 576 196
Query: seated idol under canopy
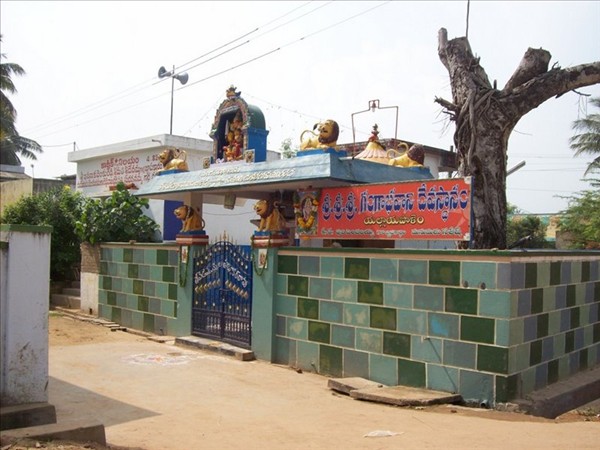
pixel 238 131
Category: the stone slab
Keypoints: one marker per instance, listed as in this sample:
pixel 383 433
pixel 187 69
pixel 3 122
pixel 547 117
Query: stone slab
pixel 75 430
pixel 347 385
pixel 26 415
pixel 563 396
pixel 405 396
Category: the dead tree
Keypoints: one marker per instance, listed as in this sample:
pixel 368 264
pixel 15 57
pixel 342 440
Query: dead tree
pixel 485 116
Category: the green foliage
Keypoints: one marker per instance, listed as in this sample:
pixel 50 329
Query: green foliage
pixel 76 218
pixel 523 226
pixel 587 142
pixel 512 209
pixel 11 143
pixel 581 219
pixel 118 218
pixel 286 149
pixel 59 208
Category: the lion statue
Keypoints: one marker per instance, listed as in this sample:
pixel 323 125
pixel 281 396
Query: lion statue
pixel 328 133
pixel 171 160
pixel 270 217
pixel 190 219
pixel 413 157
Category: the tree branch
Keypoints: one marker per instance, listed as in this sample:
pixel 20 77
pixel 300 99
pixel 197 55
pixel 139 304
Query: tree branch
pixel 446 104
pixel 554 83
pixel 535 62
pixel 463 67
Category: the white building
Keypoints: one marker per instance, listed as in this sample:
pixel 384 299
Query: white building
pixel 136 162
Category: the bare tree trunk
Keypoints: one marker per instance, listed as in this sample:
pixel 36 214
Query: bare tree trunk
pixel 485 117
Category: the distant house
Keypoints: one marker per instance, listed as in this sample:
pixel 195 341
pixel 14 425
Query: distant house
pixel 15 183
pixel 135 162
pixel 550 220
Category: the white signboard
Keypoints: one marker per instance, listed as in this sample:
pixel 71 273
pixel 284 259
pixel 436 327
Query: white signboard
pixel 96 176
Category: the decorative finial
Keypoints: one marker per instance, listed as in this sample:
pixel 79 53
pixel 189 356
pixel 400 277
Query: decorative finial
pixel 232 93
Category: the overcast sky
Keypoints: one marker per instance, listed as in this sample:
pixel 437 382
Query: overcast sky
pixel 92 73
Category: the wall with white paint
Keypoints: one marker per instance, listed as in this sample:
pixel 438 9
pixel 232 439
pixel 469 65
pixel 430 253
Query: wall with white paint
pixel 24 294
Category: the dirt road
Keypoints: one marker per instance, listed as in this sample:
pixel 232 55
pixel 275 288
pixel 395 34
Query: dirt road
pixel 160 397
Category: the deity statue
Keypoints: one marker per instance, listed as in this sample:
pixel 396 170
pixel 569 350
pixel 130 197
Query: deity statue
pixel 235 140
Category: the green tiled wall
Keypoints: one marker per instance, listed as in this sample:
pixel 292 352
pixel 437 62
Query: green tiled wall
pixel 491 330
pixel 138 288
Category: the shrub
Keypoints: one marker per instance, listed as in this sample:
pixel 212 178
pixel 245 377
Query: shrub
pixel 59 208
pixel 118 218
pixel 581 220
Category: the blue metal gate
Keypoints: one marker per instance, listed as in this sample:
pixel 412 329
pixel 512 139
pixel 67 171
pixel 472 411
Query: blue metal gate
pixel 222 306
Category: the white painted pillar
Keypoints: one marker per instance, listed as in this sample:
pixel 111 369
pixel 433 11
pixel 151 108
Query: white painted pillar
pixel 24 303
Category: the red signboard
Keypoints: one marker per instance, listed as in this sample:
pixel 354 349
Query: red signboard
pixel 431 210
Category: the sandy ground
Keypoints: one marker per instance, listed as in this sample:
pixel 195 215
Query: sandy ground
pixel 156 396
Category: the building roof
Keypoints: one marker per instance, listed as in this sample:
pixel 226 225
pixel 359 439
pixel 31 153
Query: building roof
pixel 10 172
pixel 257 180
pixel 147 143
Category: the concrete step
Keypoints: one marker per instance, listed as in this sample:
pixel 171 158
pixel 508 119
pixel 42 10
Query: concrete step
pixel 563 396
pixel 74 430
pixel 216 346
pixel 27 415
pixel 74 292
pixel 75 284
pixel 68 301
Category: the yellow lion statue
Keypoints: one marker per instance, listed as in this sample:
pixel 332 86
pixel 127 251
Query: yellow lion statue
pixel 328 133
pixel 270 217
pixel 171 160
pixel 190 219
pixel 413 157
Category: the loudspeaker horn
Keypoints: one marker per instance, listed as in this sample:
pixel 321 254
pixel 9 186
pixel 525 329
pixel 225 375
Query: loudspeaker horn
pixel 162 72
pixel 183 77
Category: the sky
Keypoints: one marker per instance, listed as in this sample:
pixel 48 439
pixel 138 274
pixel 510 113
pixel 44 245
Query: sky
pixel 92 73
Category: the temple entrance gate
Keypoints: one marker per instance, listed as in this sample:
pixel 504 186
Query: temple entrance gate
pixel 222 305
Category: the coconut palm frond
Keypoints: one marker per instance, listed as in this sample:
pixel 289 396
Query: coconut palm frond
pixel 588 141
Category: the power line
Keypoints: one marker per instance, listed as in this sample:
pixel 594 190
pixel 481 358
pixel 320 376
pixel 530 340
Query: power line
pixel 143 85
pixel 329 27
pixel 58 145
pixel 89 108
pixel 214 50
pixel 293 20
pixel 256 58
pixel 212 108
pixel 539 190
pixel 286 45
pixel 340 22
pixel 295 111
pixel 248 34
pixel 541 157
pixel 570 169
pixel 256 37
pixel 214 57
pixel 109 114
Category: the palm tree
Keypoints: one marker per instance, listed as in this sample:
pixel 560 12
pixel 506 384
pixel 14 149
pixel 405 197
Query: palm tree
pixel 588 142
pixel 11 143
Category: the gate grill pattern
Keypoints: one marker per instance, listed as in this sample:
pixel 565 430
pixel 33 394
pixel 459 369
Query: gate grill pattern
pixel 223 294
